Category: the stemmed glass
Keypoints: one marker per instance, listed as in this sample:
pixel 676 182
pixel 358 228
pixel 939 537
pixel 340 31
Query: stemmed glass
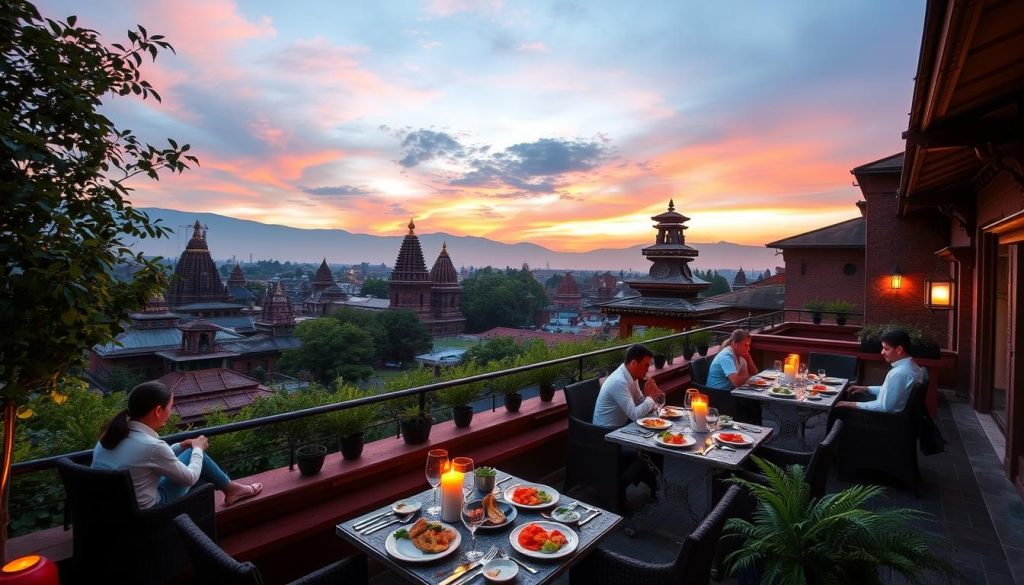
pixel 464 465
pixel 712 419
pixel 803 372
pixel 659 401
pixel 777 367
pixel 437 462
pixel 473 516
pixel 688 399
pixel 821 375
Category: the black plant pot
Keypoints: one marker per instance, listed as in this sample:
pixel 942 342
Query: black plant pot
pixel 816 318
pixel 352 446
pixel 702 350
pixel 547 392
pixel 462 415
pixel 416 431
pixel 926 351
pixel 310 458
pixel 688 352
pixel 840 320
pixel 513 401
pixel 870 345
pixel 659 361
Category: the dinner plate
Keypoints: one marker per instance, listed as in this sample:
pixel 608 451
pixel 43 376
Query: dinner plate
pixel 761 383
pixel 781 394
pixel 404 550
pixel 832 381
pixel 572 540
pixel 686 443
pixel 541 487
pixel 828 391
pixel 654 423
pixel 768 375
pixel 510 516
pixel 672 413
pixel 819 388
pixel 745 439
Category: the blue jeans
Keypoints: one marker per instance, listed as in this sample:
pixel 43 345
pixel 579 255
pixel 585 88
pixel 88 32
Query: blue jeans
pixel 211 472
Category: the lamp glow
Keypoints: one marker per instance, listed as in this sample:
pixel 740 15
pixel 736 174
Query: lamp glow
pixel 939 294
pixel 896 279
pixel 30 570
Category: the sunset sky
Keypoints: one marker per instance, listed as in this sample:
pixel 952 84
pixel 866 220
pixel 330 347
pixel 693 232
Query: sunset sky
pixel 565 124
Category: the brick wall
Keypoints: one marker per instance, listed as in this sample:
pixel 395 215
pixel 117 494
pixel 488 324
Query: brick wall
pixel 822 274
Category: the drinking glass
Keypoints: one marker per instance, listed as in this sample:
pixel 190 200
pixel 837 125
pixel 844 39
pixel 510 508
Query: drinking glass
pixel 473 516
pixel 712 419
pixel 803 371
pixel 690 394
pixel 659 401
pixel 437 462
pixel 777 366
pixel 464 465
pixel 821 375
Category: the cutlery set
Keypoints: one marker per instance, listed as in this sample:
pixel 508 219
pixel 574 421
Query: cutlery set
pixel 639 433
pixel 374 524
pixel 465 574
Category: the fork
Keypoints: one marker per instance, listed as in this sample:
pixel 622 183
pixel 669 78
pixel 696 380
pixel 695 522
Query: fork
pixel 488 557
pixel 506 556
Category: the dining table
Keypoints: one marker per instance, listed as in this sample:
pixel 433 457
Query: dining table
pixel 793 403
pixel 536 568
pixel 708 455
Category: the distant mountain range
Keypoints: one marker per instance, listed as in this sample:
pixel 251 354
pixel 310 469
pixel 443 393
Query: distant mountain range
pixel 241 239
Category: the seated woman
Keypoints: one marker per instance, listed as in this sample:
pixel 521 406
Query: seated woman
pixel 160 472
pixel 732 367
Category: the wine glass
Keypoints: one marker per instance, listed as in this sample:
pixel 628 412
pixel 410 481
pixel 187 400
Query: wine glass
pixel 821 375
pixel 464 465
pixel 473 516
pixel 777 367
pixel 712 419
pixel 688 399
pixel 437 462
pixel 659 401
pixel 803 372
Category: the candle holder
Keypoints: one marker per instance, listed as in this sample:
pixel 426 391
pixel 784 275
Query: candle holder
pixel 699 407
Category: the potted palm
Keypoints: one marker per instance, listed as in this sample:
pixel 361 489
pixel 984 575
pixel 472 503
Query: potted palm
pixel 841 309
pixel 816 307
pixel 794 538
pixel 349 424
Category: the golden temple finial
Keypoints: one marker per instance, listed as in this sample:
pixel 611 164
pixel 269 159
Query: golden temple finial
pixel 412 227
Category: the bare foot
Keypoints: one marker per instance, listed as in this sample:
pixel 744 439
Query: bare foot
pixel 237 491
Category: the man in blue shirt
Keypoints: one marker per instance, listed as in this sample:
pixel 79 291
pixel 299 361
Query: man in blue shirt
pixel 894 392
pixel 732 366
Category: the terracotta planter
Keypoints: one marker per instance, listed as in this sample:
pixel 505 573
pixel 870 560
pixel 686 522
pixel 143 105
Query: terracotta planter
pixel 513 401
pixel 547 392
pixel 416 431
pixel 462 415
pixel 310 459
pixel 352 446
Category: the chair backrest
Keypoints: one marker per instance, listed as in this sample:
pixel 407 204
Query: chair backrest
pixel 837 366
pixel 210 564
pixel 581 397
pixel 699 370
pixel 693 565
pixel 817 468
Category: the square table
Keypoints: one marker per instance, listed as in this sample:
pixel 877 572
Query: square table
pixel 797 404
pixel 716 459
pixel 590 535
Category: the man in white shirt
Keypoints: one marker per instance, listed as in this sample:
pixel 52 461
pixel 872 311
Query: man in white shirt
pixel 894 392
pixel 621 399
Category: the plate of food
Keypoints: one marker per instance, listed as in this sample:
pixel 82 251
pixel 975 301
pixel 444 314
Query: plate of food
pixel 819 388
pixel 730 438
pixel 403 507
pixel 531 496
pixel 544 540
pixel 760 383
pixel 671 412
pixel 565 514
pixel 498 514
pixel 832 381
pixel 671 439
pixel 653 423
pixel 812 377
pixel 423 542
pixel 782 393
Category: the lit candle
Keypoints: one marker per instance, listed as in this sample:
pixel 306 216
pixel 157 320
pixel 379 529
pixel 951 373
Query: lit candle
pixel 792 366
pixel 699 407
pixel 451 495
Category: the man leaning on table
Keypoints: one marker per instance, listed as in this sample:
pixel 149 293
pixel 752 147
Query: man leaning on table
pixel 892 395
pixel 621 399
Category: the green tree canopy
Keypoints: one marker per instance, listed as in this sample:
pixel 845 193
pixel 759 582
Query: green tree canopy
pixel 401 336
pixel 493 350
pixel 330 349
pixel 376 288
pixel 501 298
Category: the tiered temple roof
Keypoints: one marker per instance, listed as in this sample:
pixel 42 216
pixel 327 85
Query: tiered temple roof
pixel 323 279
pixel 277 311
pixel 195 277
pixel 443 271
pixel 410 265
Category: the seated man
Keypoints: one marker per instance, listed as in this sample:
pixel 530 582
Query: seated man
pixel 892 395
pixel 620 399
pixel 733 365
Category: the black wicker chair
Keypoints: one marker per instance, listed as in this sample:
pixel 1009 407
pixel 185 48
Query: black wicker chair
pixel 116 542
pixel 692 566
pixel 835 365
pixel 883 442
pixel 593 463
pixel 213 566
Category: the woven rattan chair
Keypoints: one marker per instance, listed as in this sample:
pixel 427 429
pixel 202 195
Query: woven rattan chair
pixel 593 463
pixel 213 566
pixel 883 442
pixel 116 542
pixel 692 566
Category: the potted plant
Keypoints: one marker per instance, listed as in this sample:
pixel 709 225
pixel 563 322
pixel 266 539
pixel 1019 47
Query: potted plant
pixel 415 424
pixel 458 398
pixel 816 307
pixel 701 340
pixel 689 347
pixel 922 341
pixel 302 434
pixel 509 385
pixel 840 309
pixel 794 538
pixel 659 361
pixel 349 424
pixel 414 420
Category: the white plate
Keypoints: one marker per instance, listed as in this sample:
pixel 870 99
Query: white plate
pixel 688 441
pixel 759 383
pixel 747 440
pixel 781 395
pixel 572 540
pixel 404 550
pixel 832 381
pixel 505 568
pixel 653 423
pixel 671 412
pixel 768 375
pixel 405 506
pixel 549 491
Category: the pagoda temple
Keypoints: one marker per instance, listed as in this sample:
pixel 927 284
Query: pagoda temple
pixel 236 286
pixel 668 294
pixel 567 296
pixel 434 296
pixel 276 316
pixel 445 297
pixel 195 277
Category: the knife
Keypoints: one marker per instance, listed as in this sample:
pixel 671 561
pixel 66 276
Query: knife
pixel 377 527
pixel 460 571
pixel 467 578
pixel 589 518
pixel 371 520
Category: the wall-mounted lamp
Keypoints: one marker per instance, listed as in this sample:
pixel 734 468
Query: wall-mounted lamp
pixel 939 293
pixel 896 279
